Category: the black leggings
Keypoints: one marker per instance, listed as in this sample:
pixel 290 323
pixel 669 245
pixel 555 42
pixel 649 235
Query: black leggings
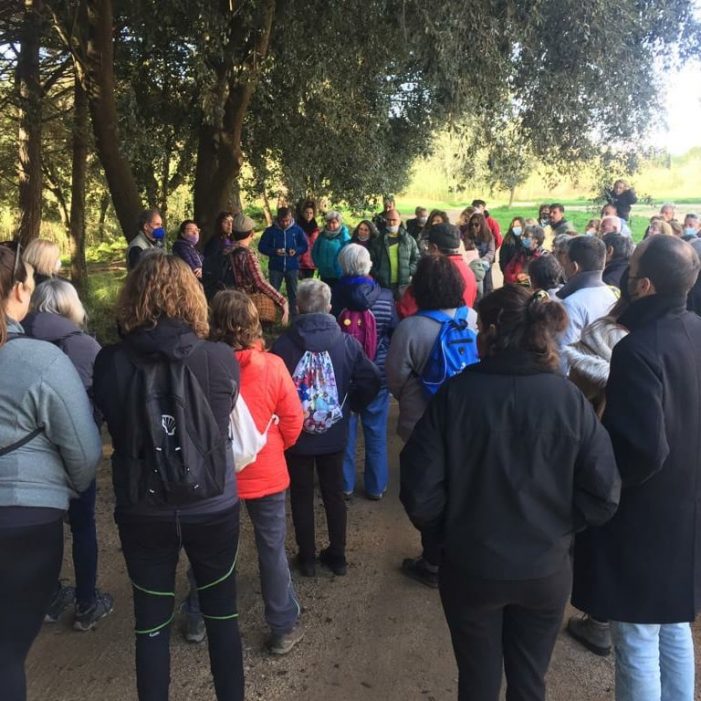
pixel 151 549
pixel 30 564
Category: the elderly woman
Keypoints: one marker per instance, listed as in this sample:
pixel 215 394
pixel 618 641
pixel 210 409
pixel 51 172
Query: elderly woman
pixel 44 257
pixel 355 296
pixel 327 247
pixel 530 248
pixel 59 317
pixel 333 377
pixel 49 447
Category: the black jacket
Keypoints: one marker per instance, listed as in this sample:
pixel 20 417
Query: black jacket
pixel 356 377
pixel 508 461
pixel 644 566
pixel 213 364
pixel 613 271
pixel 622 202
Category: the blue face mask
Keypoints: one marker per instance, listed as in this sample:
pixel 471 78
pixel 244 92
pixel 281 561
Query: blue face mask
pixel 690 231
pixel 158 234
pixel 516 230
pixel 526 241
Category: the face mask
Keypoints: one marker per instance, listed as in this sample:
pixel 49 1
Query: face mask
pixel 526 241
pixel 158 234
pixel 57 267
pixel 363 236
pixel 516 230
pixel 545 221
pixel 421 220
pixel 590 232
pixel 690 231
pixel 192 238
pixel 393 229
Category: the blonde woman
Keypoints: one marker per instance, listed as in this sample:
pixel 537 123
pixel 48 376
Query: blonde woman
pixel 162 313
pixel 45 257
pixel 58 317
pixel 268 390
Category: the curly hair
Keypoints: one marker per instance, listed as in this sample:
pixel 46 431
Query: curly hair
pixel 162 287
pixel 235 320
pixel 438 284
pixel 523 321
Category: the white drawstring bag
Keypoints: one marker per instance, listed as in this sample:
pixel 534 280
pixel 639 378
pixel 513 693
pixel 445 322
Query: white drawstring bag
pixel 246 440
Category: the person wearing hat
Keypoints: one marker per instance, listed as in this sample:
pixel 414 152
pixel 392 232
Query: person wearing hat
pixel 443 240
pixel 240 268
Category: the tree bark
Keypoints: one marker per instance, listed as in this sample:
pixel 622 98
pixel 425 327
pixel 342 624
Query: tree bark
pixel 104 206
pixel 99 83
pixel 219 154
pixel 79 167
pixel 29 90
pixel 512 193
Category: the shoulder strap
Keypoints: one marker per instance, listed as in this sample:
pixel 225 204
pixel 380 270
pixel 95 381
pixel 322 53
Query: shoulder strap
pixel 22 441
pixel 436 315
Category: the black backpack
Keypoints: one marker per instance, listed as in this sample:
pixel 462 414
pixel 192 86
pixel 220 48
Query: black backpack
pixel 174 452
pixel 217 274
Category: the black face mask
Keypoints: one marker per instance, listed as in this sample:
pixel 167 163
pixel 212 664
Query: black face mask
pixel 625 291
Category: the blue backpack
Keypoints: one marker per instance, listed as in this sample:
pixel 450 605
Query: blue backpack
pixel 455 348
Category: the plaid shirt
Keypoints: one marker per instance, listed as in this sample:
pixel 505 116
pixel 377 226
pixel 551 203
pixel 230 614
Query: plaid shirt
pixel 249 276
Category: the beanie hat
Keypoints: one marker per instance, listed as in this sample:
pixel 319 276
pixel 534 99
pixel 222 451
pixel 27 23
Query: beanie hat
pixel 243 224
pixel 445 236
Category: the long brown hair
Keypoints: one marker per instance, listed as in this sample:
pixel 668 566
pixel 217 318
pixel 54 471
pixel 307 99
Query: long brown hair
pixel 162 287
pixel 523 321
pixel 235 320
pixel 12 270
pixel 483 235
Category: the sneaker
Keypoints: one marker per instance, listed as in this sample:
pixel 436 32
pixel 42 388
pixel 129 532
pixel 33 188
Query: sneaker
pixel 193 627
pixel 85 619
pixel 348 496
pixel 337 565
pixel 63 598
pixel 374 497
pixel 594 635
pixel 418 569
pixel 307 568
pixel 282 643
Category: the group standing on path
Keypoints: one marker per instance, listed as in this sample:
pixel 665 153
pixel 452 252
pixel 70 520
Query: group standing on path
pixel 550 431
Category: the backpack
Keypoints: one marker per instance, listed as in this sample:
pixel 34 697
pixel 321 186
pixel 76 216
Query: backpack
pixel 246 440
pixel 174 453
pixel 218 273
pixel 315 380
pixel 362 326
pixel 455 348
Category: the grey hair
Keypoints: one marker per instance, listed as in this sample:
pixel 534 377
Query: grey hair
pixel 333 214
pixel 58 296
pixel 313 297
pixel 668 205
pixel 615 220
pixel 536 232
pixel 561 242
pixel 355 260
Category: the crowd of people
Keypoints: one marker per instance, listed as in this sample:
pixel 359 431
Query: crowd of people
pixel 550 429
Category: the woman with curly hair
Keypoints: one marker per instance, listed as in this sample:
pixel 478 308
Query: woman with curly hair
pixel 162 314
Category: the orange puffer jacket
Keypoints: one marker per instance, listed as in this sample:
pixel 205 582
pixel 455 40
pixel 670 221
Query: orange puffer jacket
pixel 268 389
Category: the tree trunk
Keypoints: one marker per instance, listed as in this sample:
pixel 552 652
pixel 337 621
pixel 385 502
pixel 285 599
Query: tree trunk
pixel 79 270
pixel 266 208
pixel 512 193
pixel 100 86
pixel 219 154
pixel 104 206
pixel 29 140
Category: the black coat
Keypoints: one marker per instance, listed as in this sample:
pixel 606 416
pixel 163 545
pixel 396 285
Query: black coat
pixel 613 272
pixel 357 378
pixel 644 566
pixel 508 461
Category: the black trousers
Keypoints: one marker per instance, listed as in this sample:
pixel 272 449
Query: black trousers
pixel 496 623
pixel 30 564
pixel 151 550
pixel 330 470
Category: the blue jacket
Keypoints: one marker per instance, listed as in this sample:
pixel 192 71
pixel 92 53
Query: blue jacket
pixel 326 250
pixel 274 238
pixel 357 379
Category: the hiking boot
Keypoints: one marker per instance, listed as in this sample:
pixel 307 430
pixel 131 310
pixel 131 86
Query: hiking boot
pixel 85 619
pixel 306 567
pixel 336 564
pixel 594 635
pixel 282 643
pixel 193 627
pixel 419 570
pixel 63 598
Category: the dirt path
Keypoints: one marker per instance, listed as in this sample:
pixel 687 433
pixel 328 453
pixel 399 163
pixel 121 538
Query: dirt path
pixel 372 635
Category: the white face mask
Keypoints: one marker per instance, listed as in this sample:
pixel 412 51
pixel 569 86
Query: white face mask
pixel 57 267
pixel 422 220
pixel 394 229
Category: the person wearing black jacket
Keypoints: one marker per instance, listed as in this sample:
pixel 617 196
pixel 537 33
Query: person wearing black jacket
pixel 642 570
pixel 619 249
pixel 504 483
pixel 357 382
pixel 162 312
pixel 622 197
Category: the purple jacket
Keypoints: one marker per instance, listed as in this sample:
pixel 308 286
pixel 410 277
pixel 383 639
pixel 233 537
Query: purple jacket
pixel 188 253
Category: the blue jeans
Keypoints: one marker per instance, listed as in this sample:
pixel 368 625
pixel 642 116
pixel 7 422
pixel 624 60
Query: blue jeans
pixel 653 662
pixel 374 420
pixel 270 526
pixel 290 278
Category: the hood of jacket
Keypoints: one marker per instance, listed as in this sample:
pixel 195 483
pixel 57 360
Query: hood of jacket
pixel 649 309
pixel 315 332
pixel 581 281
pixel 331 235
pixel 357 293
pixel 46 326
pixel 171 338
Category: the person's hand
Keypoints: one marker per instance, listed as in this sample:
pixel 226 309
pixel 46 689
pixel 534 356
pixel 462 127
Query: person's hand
pixel 285 314
pixel 280 251
pixel 198 273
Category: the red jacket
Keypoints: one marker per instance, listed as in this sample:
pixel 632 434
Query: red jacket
pixel 407 306
pixel 493 225
pixel 516 270
pixel 305 260
pixel 268 389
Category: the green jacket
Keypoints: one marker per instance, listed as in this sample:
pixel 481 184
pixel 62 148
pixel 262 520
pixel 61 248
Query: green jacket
pixel 408 258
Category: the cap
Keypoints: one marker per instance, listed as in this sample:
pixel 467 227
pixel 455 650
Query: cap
pixel 445 236
pixel 243 224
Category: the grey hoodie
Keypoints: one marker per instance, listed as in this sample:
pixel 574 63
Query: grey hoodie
pixel 40 387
